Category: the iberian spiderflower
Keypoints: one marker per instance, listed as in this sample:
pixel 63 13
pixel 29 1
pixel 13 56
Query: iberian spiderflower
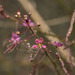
pixel 39 44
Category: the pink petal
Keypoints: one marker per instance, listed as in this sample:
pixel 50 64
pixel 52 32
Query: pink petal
pixel 12 39
pixel 40 40
pixel 31 24
pixel 29 20
pixel 37 41
pixel 34 46
pixel 18 39
pixel 24 24
pixel 43 46
pixel 14 35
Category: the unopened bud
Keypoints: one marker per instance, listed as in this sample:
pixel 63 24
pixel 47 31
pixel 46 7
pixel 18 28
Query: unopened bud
pixel 16 16
pixel 18 13
pixel 25 17
pixel 38 24
pixel 25 40
pixel 30 14
pixel 28 46
pixel 17 32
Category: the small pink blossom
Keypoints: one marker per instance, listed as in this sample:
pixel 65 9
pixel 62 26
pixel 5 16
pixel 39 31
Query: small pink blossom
pixel 29 22
pixel 15 38
pixel 39 43
pixel 58 44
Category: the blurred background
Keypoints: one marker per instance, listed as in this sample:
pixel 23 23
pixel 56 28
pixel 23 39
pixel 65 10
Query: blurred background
pixel 55 13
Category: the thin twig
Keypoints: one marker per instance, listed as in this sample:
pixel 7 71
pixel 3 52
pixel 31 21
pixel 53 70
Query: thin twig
pixel 35 66
pixel 67 40
pixel 62 63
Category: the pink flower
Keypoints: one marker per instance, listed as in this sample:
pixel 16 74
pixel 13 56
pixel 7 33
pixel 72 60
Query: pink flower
pixel 58 44
pixel 39 44
pixel 15 38
pixel 29 22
